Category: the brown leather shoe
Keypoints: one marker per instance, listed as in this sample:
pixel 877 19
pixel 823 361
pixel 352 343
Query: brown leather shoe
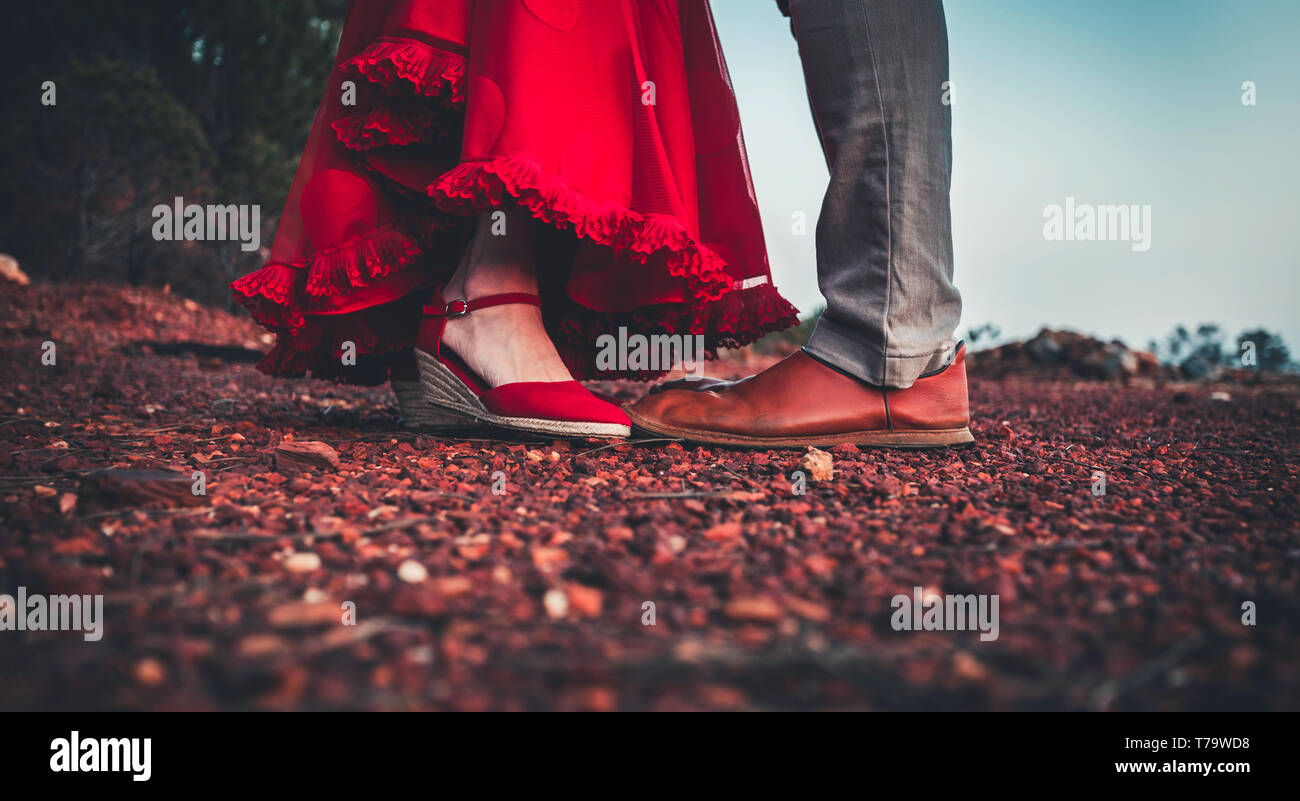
pixel 698 384
pixel 801 401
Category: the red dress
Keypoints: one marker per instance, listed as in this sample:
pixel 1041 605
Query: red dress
pixel 612 120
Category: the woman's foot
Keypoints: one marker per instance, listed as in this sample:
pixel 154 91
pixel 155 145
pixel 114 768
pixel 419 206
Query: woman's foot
pixel 483 352
pixel 502 344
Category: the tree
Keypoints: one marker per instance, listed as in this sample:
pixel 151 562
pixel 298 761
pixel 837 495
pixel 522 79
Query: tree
pixel 1202 354
pixel 96 162
pixel 985 332
pixel 246 73
pixel 1271 353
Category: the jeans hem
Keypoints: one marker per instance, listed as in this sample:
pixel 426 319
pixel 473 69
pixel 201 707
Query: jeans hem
pixel 866 361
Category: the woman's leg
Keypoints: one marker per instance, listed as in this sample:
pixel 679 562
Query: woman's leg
pixel 503 344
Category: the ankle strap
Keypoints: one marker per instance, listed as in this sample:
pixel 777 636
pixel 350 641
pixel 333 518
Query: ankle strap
pixel 459 308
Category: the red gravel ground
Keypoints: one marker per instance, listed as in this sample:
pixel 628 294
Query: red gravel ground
pixel 533 599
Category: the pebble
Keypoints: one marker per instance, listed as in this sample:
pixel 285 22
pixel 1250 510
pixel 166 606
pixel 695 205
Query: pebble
pixel 150 672
pixel 556 603
pixel 819 464
pixel 303 562
pixel 412 572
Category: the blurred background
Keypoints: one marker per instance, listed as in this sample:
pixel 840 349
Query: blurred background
pixel 1107 102
pixel 210 100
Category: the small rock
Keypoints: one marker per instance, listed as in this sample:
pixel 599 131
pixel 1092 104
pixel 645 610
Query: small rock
pixel 548 559
pixel 150 672
pixel 723 531
pixel 556 603
pixel 301 614
pixel 258 646
pixel 586 601
pixel 819 464
pixel 10 271
pixel 968 668
pixel 412 572
pixel 619 534
pixel 117 487
pixel 888 486
pixel 294 456
pixel 304 562
pixel 757 609
pixel 451 586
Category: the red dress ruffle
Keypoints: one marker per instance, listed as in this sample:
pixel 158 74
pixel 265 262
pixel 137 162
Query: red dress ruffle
pixel 611 120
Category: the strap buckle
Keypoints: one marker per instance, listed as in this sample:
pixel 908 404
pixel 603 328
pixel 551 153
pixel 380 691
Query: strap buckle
pixel 457 308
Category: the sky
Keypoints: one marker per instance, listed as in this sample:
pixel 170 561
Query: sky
pixel 1107 102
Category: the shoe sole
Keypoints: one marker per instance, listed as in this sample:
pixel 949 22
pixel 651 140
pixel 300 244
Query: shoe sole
pixel 446 393
pixel 937 438
pixel 418 415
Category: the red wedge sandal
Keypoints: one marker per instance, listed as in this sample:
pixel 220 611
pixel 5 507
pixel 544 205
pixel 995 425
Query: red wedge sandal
pixel 559 408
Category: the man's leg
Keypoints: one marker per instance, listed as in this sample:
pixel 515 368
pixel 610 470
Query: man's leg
pixel 876 370
pixel 875 71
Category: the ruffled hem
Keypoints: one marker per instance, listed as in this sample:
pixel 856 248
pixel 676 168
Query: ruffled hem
pixel 398 65
pixel 269 295
pixel 384 126
pixel 744 316
pixel 477 186
pixel 740 318
pixel 316 347
pixel 354 264
pixel 273 293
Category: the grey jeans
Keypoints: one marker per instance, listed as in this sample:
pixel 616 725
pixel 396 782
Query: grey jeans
pixel 876 73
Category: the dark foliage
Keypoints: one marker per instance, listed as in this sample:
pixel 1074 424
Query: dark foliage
pixel 210 100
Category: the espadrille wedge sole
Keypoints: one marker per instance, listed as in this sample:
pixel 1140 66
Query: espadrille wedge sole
pixel 447 394
pixel 419 415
